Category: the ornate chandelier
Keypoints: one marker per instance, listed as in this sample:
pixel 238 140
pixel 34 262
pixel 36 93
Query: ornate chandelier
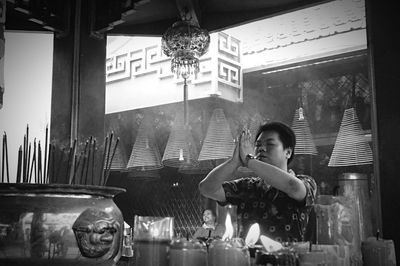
pixel 185 42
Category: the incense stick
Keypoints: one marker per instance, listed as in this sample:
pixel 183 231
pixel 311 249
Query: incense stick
pixel 112 157
pixel 76 163
pixel 6 154
pixel 53 170
pixel 109 149
pixel 47 176
pixel 70 164
pixel 39 163
pixel 102 161
pixel 28 160
pixel 33 165
pixel 59 164
pixel 45 155
pixel 93 157
pixel 19 164
pixel 2 162
pixel 81 180
pixel 88 162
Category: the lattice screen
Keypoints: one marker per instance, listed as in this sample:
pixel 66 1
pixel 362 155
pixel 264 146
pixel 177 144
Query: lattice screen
pixel 177 197
pixel 325 100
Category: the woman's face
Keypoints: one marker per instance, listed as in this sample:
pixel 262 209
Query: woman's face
pixel 208 216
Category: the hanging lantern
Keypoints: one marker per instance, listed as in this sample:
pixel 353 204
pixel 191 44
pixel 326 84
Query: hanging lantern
pixel 185 42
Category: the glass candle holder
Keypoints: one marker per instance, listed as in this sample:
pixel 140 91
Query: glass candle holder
pixel 286 257
pixel 187 253
pixel 152 238
pixel 231 252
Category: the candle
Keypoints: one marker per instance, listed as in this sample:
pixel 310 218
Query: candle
pixel 285 257
pixel 231 252
pixel 187 253
pixel 251 239
pixel 152 238
pixel 312 258
pixel 228 251
pixel 151 252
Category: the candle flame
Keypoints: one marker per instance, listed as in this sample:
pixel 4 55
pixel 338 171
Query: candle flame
pixel 301 114
pixel 228 228
pixel 181 155
pixel 269 244
pixel 253 235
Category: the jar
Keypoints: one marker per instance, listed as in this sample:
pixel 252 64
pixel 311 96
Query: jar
pixel 55 224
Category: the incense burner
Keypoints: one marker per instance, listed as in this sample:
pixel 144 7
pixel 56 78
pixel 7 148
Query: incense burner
pixel 59 225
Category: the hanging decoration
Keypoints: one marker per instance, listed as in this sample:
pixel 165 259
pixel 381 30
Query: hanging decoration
pixel 351 146
pixel 304 140
pixel 181 148
pixel 185 42
pixel 218 143
pixel 145 154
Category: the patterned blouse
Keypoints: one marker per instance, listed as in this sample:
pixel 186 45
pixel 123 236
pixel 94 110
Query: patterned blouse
pixel 280 217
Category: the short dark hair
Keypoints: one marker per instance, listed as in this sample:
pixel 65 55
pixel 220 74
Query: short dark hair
pixel 211 210
pixel 286 135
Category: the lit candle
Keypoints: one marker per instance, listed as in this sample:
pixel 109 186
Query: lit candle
pixel 228 251
pixel 275 254
pixel 251 239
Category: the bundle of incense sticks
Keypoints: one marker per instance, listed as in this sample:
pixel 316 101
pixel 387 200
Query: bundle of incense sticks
pixel 60 165
pixel 106 159
pixel 82 166
pixel 33 170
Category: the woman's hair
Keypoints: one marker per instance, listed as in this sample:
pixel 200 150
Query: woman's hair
pixel 286 135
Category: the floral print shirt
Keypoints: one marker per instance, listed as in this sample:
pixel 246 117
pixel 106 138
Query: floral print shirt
pixel 280 217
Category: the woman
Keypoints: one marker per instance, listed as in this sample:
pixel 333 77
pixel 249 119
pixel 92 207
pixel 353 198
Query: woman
pixel 210 228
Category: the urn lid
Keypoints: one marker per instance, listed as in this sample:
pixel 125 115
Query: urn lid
pixel 60 189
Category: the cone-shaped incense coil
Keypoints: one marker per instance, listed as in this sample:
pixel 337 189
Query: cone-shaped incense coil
pixel 304 140
pixel 180 148
pixel 218 143
pixel 145 154
pixel 351 147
